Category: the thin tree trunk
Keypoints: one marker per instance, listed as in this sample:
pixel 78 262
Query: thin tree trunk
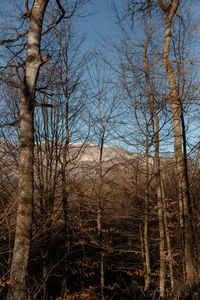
pixel 160 213
pixel 102 275
pixel 99 215
pixel 154 118
pixel 169 251
pixel 142 252
pixel 161 247
pixel 65 150
pixel 99 197
pixel 147 278
pixel 65 201
pixel 64 161
pixel 18 272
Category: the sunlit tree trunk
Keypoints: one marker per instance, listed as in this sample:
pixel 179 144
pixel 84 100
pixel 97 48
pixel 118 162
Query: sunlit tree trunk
pixel 190 264
pixel 147 278
pixel 26 145
pixel 156 128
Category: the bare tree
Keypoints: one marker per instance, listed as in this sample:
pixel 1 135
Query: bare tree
pixel 34 61
pixel 170 11
pixel 104 115
pixel 24 216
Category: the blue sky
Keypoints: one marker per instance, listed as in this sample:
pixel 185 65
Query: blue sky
pixel 99 23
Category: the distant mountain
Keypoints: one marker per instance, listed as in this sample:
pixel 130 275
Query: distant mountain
pixel 91 152
pixel 82 158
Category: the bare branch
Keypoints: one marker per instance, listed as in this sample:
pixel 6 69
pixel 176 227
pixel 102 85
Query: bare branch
pixel 58 21
pixel 45 58
pixel 163 7
pixel 60 7
pixel 15 39
pixel 9 124
pixel 187 62
pixel 28 12
pixel 46 105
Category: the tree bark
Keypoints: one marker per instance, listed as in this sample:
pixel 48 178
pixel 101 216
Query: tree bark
pixel 147 278
pixel 99 213
pixel 65 161
pixel 156 128
pixel 175 101
pixel 18 272
pixel 169 250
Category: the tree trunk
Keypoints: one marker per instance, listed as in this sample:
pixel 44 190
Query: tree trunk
pixel 190 264
pixel 26 145
pixel 169 251
pixel 147 278
pixel 161 229
pixel 99 214
pixel 156 128
pixel 64 166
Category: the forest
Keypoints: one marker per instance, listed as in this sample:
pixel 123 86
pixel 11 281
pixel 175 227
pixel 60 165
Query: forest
pixel 99 150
